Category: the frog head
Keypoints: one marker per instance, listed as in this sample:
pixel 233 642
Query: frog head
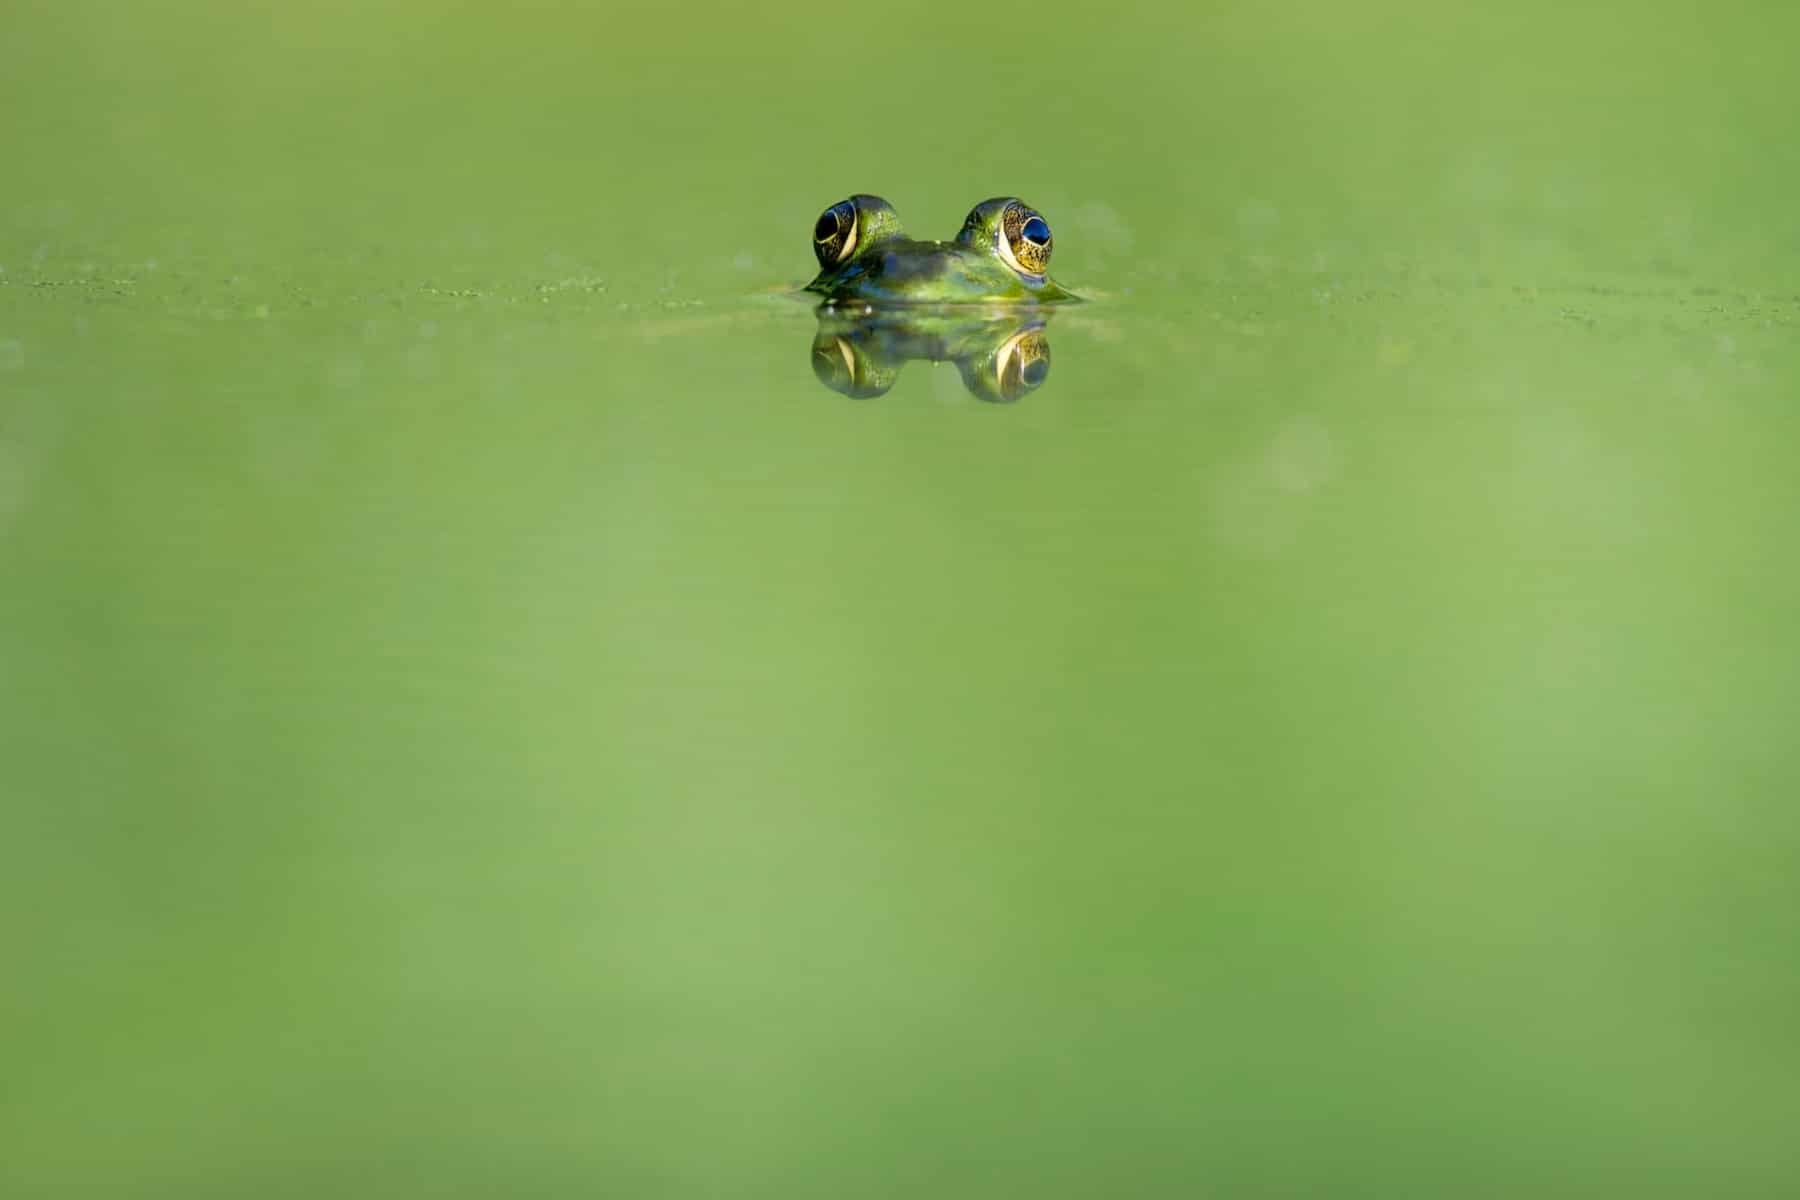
pixel 1000 256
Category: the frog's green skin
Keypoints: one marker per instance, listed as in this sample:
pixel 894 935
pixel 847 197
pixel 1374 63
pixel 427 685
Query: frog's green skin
pixel 1000 356
pixel 866 258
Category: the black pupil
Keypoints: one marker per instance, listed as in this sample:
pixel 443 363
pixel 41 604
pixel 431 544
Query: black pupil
pixel 827 226
pixel 1036 231
pixel 1034 372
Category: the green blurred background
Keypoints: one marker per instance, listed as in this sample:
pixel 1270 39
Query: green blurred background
pixel 478 719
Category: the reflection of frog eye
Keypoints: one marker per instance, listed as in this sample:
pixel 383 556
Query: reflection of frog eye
pixel 843 366
pixel 1025 239
pixel 834 237
pixel 1018 366
pixel 1023 363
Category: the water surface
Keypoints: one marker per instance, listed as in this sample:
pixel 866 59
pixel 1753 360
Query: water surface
pixel 478 717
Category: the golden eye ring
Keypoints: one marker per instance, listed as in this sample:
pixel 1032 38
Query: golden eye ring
pixel 834 234
pixel 1024 239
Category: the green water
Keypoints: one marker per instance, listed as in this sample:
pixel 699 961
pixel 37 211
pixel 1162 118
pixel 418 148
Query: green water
pixel 477 718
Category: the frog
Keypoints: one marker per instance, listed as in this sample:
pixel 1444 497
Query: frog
pixel 1000 256
pixel 1002 354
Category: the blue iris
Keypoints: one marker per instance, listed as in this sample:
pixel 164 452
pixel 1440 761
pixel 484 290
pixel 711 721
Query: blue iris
pixel 1037 230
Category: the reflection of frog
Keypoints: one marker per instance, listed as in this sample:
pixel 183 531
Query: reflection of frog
pixel 1001 356
pixel 999 257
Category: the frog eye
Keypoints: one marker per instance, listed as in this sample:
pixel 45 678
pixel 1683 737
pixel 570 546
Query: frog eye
pixel 834 235
pixel 1024 239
